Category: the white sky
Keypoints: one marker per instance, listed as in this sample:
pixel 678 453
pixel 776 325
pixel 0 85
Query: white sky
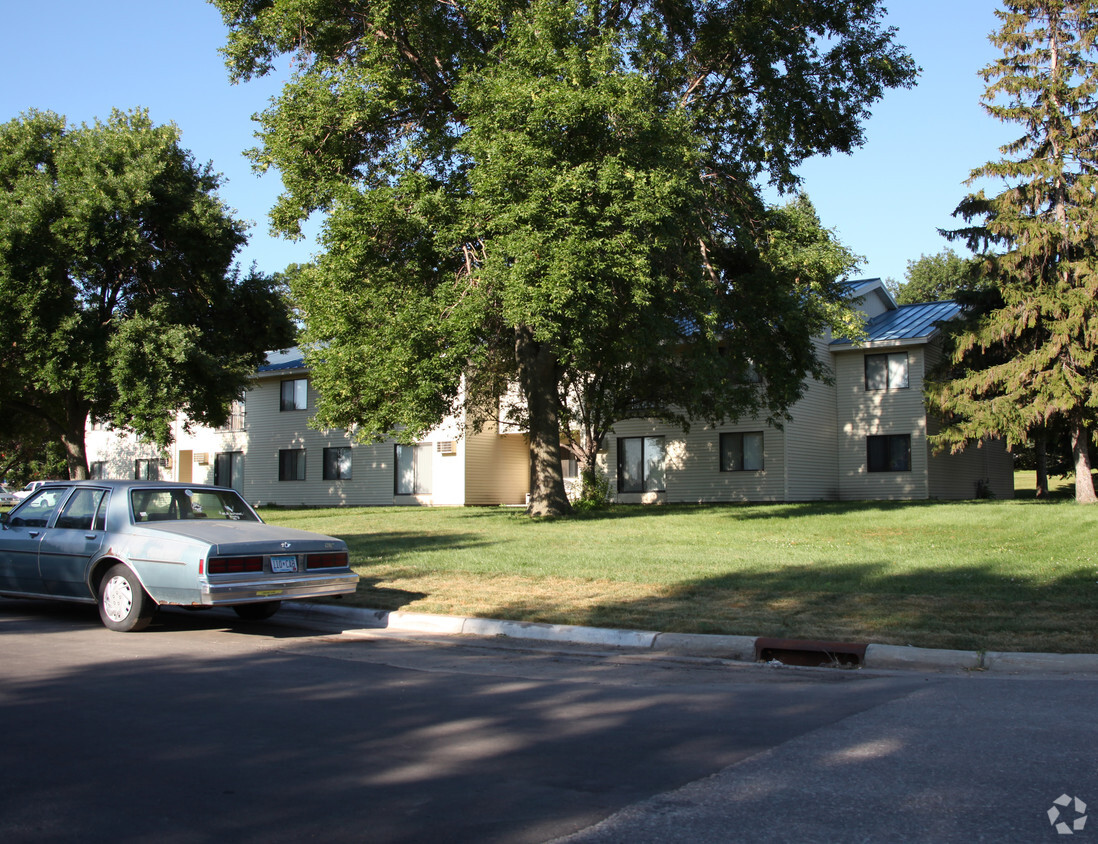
pixel 886 201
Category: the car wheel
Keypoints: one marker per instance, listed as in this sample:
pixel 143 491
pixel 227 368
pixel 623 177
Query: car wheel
pixel 257 612
pixel 123 604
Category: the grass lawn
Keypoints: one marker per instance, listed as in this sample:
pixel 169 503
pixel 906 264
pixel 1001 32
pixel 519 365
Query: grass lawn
pixel 996 575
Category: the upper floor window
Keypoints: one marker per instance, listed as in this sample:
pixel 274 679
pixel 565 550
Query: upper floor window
pixel 235 422
pixel 640 464
pixel 742 452
pixel 295 394
pixel 886 372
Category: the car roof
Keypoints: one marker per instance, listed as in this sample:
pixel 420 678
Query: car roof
pixel 130 484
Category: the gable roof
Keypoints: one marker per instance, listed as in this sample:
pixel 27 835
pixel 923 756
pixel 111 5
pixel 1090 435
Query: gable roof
pixel 904 325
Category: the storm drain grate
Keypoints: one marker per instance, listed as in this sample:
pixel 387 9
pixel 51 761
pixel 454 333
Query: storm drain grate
pixel 807 652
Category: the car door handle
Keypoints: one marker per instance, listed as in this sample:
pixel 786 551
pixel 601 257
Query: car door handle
pixel 33 533
pixel 91 535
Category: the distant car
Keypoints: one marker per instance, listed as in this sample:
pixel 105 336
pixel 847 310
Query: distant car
pixel 29 488
pixel 133 546
pixel 7 497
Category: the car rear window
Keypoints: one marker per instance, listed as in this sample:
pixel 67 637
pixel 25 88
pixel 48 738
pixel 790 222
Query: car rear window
pixel 162 505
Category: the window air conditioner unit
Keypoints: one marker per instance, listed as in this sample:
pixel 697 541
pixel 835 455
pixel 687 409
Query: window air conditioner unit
pixel 447 447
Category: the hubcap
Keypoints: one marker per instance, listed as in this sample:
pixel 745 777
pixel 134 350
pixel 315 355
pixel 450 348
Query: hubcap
pixel 117 599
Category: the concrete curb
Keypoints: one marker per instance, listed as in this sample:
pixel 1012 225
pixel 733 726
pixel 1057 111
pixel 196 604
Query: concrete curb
pixel 739 648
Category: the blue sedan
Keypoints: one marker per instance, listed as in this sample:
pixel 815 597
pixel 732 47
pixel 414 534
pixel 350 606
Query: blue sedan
pixel 133 546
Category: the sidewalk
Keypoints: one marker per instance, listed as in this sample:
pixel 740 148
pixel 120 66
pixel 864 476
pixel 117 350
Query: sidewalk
pixel 738 648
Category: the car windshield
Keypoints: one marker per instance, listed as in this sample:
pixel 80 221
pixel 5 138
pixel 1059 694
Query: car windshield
pixel 160 505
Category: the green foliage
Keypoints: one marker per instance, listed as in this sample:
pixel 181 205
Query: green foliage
pixel 29 457
pixel 1026 361
pixel 117 281
pixel 562 195
pixel 594 490
pixel 938 278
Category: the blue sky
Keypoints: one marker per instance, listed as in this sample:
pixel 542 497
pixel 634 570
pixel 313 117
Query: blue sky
pixel 886 201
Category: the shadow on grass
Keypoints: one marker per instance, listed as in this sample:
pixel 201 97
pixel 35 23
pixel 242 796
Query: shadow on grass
pixel 789 510
pixel 367 548
pixel 969 607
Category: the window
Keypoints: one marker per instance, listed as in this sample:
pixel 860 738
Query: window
pixel 97 470
pixel 337 463
pixel 295 394
pixel 890 453
pixel 291 464
pixel 886 372
pixel 83 511
pixel 640 464
pixel 235 422
pixel 413 469
pixel 742 452
pixel 229 469
pixel 38 509
pixel 147 470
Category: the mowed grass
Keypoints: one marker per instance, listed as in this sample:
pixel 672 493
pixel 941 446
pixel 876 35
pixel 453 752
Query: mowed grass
pixel 995 575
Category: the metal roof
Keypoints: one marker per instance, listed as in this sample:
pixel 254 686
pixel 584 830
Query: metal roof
pixel 906 323
pixel 281 361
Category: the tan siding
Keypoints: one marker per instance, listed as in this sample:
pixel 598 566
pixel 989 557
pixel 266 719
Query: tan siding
pixel 692 464
pixel 812 462
pixel 987 465
pixel 955 476
pixel 270 429
pixel 863 413
pixel 497 468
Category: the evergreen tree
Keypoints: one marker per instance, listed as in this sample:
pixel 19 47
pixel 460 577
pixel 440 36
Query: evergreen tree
pixel 1028 362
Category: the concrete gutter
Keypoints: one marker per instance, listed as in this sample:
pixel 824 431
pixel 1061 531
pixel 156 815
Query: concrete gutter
pixel 738 648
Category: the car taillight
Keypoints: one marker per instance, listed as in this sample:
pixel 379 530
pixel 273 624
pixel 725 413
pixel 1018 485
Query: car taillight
pixel 234 565
pixel 326 561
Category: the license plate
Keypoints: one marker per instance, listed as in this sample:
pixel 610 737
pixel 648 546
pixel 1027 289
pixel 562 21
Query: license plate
pixel 281 564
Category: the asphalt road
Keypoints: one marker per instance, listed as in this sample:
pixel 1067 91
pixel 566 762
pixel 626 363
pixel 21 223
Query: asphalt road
pixel 206 729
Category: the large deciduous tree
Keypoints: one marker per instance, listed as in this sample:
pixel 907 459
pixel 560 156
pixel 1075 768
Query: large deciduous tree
pixel 1028 363
pixel 938 278
pixel 538 191
pixel 120 297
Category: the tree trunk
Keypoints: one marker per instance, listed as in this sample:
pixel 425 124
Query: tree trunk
pixel 538 379
pixel 1084 480
pixel 75 455
pixel 1041 449
pixel 72 438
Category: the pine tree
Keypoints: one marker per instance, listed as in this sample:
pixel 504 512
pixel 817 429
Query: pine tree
pixel 1029 361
